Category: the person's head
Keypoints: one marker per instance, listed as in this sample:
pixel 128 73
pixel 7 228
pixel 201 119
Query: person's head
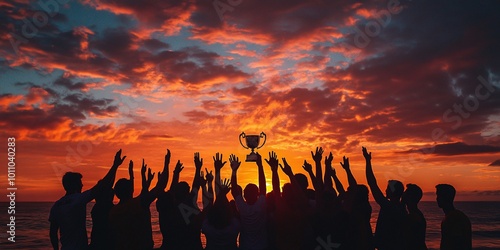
pixel 72 182
pixel 289 194
pixel 360 193
pixel 123 189
pixel 394 190
pixel 181 190
pixel 445 194
pixel 412 194
pixel 251 193
pixel 302 181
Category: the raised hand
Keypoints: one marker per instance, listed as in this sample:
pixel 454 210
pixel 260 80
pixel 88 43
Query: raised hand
pixel 178 167
pixel 235 162
pixel 273 161
pixel 224 187
pixel 318 156
pixel 328 160
pixel 368 156
pixel 198 162
pixel 286 168
pixel 209 176
pixel 218 164
pixel 151 175
pixel 118 158
pixel 307 167
pixel 345 165
pixel 146 182
pixel 203 181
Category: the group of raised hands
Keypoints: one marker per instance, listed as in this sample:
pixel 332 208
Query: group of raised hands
pixel 207 177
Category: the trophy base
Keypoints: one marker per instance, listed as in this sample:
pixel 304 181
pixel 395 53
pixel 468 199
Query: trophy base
pixel 252 157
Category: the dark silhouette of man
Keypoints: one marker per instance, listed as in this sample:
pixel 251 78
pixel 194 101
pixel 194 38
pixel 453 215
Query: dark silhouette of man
pixel 415 222
pixel 130 219
pixel 68 214
pixel 456 232
pixel 390 223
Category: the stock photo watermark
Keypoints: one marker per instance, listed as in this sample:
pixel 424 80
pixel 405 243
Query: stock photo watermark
pixel 222 7
pixel 455 114
pixel 38 20
pixel 11 188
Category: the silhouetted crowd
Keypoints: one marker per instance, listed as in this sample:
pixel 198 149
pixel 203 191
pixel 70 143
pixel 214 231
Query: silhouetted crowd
pixel 287 218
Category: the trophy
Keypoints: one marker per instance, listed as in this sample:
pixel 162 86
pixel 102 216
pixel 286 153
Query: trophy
pixel 252 142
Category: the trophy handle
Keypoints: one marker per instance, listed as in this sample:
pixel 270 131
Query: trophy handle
pixel 262 135
pixel 242 135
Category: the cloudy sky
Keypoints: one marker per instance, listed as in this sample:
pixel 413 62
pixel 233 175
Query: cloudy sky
pixel 416 82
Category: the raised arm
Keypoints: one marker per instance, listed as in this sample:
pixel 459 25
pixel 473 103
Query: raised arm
pixel 273 163
pixel 208 193
pixel 338 184
pixel 131 174
pixel 177 171
pixel 166 167
pixel 328 173
pixel 370 178
pixel 218 164
pixel 262 177
pixel 235 164
pixel 317 157
pixel 347 168
pixel 150 196
pixel 198 163
pixel 301 196
pixel 308 168
pixel 109 178
pixel 146 182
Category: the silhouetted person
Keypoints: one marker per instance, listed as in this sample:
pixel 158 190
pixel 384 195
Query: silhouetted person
pixel 415 223
pixel 221 227
pixel 358 206
pixel 390 223
pixel 101 238
pixel 68 214
pixel 456 232
pixel 130 219
pixel 179 215
pixel 328 219
pixel 292 221
pixel 252 209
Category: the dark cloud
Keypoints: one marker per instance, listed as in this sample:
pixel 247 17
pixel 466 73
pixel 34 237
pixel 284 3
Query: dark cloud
pixel 51 109
pixel 69 84
pixel 495 163
pixel 458 148
pixel 155 44
pixel 154 136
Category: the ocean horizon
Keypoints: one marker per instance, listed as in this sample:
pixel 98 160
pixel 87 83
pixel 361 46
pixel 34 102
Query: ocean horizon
pixel 32 225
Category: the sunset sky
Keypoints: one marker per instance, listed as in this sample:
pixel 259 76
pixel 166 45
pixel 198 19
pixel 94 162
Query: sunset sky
pixel 416 82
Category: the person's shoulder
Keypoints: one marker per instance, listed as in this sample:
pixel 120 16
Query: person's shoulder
pixel 459 215
pixel 239 199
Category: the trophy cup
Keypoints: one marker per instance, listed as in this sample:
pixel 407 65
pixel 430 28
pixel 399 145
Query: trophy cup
pixel 252 142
